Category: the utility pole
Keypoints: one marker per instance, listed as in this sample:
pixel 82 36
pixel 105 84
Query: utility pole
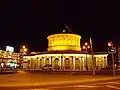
pixel 93 61
pixel 86 47
pixel 112 51
pixel 113 61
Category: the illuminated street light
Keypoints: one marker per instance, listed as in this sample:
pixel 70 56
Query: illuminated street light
pixel 25 50
pixel 84 47
pixel 24 47
pixel 86 44
pixel 109 44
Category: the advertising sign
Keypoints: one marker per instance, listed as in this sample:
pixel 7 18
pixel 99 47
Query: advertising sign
pixel 9 48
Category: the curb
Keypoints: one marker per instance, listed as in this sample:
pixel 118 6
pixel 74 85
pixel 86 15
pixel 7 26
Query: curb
pixel 2 73
pixel 52 84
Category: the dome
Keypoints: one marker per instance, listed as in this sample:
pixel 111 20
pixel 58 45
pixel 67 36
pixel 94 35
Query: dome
pixel 63 42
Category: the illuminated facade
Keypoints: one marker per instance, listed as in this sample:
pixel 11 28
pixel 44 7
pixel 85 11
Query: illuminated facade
pixel 6 57
pixel 64 53
pixel 64 42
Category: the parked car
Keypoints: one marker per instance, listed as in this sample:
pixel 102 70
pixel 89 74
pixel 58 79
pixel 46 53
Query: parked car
pixel 108 68
pixel 47 67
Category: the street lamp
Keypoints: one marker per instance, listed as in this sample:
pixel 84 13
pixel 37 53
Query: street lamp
pixel 86 47
pixel 112 51
pixel 86 44
pixel 23 51
pixel 23 47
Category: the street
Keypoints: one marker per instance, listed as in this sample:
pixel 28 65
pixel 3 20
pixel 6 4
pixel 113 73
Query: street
pixel 112 85
pixel 30 81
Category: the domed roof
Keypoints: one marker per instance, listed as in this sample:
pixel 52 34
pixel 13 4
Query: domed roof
pixel 66 31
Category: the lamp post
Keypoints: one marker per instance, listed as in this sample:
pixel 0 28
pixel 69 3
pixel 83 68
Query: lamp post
pixel 93 61
pixel 86 47
pixel 112 51
pixel 23 51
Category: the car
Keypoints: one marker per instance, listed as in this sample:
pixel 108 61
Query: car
pixel 47 67
pixel 108 68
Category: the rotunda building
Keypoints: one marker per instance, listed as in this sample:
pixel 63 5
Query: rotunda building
pixel 64 53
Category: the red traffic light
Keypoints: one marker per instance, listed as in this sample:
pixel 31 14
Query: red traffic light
pixel 109 44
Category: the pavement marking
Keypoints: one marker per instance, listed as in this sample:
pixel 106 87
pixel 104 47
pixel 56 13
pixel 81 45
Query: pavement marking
pixel 85 86
pixel 35 89
pixel 116 82
pixel 113 87
pixel 103 83
pixel 77 86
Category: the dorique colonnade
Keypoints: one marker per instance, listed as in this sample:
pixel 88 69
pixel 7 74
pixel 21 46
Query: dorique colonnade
pixel 65 62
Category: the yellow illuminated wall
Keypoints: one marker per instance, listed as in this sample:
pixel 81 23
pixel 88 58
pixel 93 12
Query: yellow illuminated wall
pixel 64 42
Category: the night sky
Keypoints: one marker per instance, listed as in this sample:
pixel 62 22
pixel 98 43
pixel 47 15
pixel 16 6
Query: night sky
pixel 29 22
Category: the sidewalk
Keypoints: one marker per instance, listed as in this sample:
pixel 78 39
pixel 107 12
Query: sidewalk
pixel 7 72
pixel 29 80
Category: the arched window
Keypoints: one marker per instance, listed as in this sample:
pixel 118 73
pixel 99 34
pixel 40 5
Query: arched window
pixel 56 61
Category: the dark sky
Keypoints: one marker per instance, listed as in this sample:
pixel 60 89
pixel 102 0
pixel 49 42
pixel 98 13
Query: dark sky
pixel 31 21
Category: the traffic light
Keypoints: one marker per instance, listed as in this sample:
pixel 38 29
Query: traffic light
pixel 110 44
pixel 111 50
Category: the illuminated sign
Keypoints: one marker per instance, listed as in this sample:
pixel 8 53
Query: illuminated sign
pixel 9 48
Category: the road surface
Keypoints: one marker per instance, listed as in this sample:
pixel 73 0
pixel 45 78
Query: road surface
pixel 30 81
pixel 107 85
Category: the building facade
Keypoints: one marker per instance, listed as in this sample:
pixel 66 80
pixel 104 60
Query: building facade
pixel 8 59
pixel 64 54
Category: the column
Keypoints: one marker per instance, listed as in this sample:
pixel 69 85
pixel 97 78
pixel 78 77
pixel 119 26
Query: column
pixel 74 63
pixel 80 63
pixel 60 63
pixel 75 41
pixel 39 62
pixel 31 63
pixel 105 61
pixel 50 60
pixel 50 42
pixel 63 66
pixel 96 59
pixel 43 59
pixel 36 63
pixel 83 63
pixel 78 42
